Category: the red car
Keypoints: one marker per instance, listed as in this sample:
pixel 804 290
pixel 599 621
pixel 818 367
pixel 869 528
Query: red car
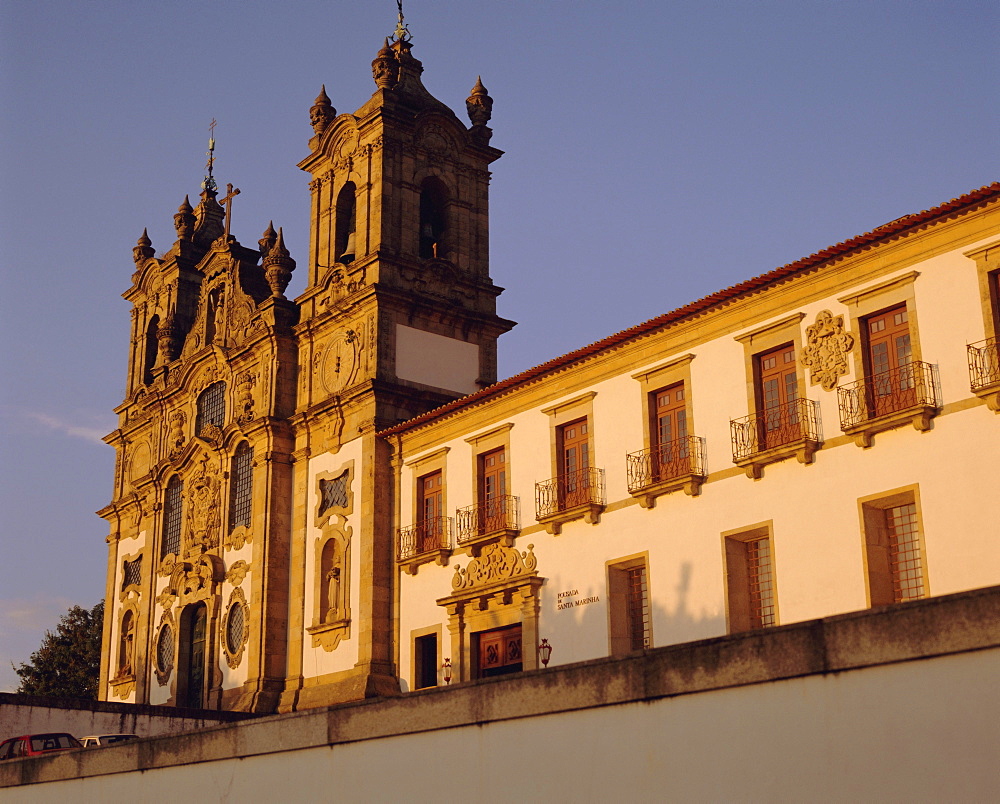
pixel 33 745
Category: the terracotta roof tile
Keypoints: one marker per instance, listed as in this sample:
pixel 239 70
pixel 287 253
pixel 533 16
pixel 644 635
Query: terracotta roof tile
pixel 855 244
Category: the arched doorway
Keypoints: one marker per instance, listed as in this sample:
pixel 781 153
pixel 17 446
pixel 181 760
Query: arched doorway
pixel 194 627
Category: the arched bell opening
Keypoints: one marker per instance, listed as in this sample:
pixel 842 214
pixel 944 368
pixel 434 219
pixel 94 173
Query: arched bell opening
pixel 433 218
pixel 149 350
pixel 345 240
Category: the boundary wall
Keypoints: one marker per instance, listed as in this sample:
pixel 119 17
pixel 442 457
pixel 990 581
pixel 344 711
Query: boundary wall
pixel 898 703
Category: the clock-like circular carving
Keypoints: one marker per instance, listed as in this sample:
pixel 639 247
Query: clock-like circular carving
pixel 339 363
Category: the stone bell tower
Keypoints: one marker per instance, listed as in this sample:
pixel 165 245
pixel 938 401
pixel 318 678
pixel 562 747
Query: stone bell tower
pixel 399 317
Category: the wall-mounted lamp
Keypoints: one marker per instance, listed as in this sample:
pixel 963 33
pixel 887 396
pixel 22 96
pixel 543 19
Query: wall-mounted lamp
pixel 545 652
pixel 446 671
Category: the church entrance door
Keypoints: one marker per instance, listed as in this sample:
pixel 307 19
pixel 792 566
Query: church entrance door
pixel 193 671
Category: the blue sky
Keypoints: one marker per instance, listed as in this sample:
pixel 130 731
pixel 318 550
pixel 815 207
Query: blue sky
pixel 655 152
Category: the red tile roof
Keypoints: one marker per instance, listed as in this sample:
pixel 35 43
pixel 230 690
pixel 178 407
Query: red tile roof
pixel 855 244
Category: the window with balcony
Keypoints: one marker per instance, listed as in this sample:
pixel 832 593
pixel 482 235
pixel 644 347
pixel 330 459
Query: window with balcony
pixel 629 615
pixel 896 389
pixel 578 488
pixel 894 555
pixel 984 355
pixel 751 597
pixel 430 537
pixel 495 514
pixel 783 424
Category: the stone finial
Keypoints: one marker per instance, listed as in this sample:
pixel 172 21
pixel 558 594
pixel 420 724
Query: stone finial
pixel 479 104
pixel 168 337
pixel 143 249
pixel 266 243
pixel 278 266
pixel 184 220
pixel 322 112
pixel 385 68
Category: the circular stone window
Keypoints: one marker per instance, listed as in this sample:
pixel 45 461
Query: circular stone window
pixel 165 650
pixel 235 627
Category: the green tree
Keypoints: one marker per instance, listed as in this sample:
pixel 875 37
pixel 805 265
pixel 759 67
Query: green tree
pixel 68 663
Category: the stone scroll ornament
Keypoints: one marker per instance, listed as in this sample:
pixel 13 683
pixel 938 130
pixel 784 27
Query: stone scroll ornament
pixel 496 563
pixel 826 349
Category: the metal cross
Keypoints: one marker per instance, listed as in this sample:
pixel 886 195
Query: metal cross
pixel 227 202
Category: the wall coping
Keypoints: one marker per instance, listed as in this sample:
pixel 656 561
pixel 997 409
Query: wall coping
pixel 939 626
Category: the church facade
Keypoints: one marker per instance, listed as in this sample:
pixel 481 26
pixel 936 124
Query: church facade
pixel 331 498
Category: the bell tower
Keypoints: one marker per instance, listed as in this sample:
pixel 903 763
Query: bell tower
pixel 399 317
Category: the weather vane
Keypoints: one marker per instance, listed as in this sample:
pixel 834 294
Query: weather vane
pixel 209 183
pixel 402 32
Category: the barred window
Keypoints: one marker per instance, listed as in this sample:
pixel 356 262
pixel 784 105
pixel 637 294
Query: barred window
pixel 241 487
pixel 628 606
pixel 751 589
pixel 165 649
pixel 893 548
pixel 235 625
pixel 211 407
pixel 131 572
pixel 172 504
pixel 333 493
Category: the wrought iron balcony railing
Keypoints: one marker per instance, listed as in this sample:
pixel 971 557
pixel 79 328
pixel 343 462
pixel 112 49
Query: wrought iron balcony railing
pixel 567 491
pixel 669 461
pixel 984 363
pixel 489 516
pixel 429 535
pixel 779 426
pixel 901 389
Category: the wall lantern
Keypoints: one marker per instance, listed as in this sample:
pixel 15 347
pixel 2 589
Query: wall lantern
pixel 545 652
pixel 446 671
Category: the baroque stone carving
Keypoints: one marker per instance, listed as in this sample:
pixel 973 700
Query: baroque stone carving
pixel 236 573
pixel 175 437
pixel 826 349
pixel 496 563
pixel 198 580
pixel 479 104
pixel 322 112
pixel 245 381
pixel 203 517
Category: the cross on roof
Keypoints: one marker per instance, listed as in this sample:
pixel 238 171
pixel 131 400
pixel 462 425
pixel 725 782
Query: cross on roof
pixel 227 202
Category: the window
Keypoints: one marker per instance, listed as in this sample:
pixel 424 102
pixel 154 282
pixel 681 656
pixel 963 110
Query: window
pixel 671 451
pixel 241 487
pixel 573 441
pixel 425 659
pixel 433 218
pixel 888 357
pixel 498 652
pixel 211 407
pixel 750 583
pixel 777 397
pixel 430 513
pixel 496 510
pixel 628 606
pixel 149 353
pixel 172 508
pixel 346 224
pixel 893 548
pixel 131 573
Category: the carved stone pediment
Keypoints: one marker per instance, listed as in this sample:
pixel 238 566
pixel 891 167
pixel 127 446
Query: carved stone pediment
pixel 198 580
pixel 495 564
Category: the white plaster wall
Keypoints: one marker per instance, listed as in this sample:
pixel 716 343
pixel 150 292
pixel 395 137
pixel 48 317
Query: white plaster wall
pixel 436 360
pixel 316 661
pixel 817 542
pixel 923 731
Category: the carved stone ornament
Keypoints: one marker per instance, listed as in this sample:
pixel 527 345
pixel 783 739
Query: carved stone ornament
pixel 385 68
pixel 203 515
pixel 479 104
pixel 322 112
pixel 827 347
pixel 175 434
pixel 197 580
pixel 495 564
pixel 245 381
pixel 236 573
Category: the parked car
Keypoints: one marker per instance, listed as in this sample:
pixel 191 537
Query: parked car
pixel 33 745
pixel 94 740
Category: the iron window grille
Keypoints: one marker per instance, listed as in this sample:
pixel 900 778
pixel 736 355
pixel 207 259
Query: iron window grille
pixel 241 487
pixel 776 426
pixel 333 493
pixel 904 552
pixel 235 624
pixel 165 649
pixel 761 583
pixel 131 572
pixel 172 507
pixel 984 363
pixel 490 516
pixel 584 487
pixel 428 535
pixel 902 388
pixel 638 608
pixel 211 407
pixel 667 461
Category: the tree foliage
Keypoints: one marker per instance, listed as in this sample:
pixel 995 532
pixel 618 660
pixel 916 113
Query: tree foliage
pixel 68 663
